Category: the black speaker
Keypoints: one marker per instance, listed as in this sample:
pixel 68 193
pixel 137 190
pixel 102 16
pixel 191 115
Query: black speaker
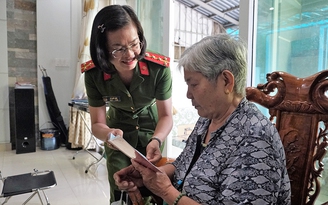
pixel 24 120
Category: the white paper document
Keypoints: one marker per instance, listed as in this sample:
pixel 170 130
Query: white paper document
pixel 121 144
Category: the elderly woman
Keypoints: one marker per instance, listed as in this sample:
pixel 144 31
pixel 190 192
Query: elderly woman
pixel 234 155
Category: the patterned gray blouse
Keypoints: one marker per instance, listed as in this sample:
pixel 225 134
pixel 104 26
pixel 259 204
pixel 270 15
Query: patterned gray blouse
pixel 243 163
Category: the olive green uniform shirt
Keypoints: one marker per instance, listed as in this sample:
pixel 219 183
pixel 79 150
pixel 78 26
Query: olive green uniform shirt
pixel 132 109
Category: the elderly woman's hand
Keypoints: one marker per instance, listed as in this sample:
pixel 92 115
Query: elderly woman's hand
pixel 157 182
pixel 128 179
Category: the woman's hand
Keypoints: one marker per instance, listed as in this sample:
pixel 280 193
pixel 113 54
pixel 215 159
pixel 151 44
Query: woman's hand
pixel 115 132
pixel 153 152
pixel 157 182
pixel 128 179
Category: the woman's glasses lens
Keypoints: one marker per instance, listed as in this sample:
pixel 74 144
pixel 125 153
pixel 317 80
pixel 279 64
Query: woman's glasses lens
pixel 135 48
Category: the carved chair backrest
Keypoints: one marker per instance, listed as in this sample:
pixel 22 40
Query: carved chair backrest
pixel 299 109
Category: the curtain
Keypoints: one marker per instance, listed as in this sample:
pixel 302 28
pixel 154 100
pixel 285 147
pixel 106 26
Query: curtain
pixel 79 134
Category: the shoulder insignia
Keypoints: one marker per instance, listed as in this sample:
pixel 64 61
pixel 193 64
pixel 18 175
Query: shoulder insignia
pixel 107 76
pixel 157 58
pixel 143 68
pixel 87 66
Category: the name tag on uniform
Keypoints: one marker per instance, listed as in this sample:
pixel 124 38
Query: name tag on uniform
pixel 112 98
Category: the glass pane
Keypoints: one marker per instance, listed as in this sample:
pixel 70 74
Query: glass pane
pixel 184 114
pixel 150 14
pixel 292 37
pixel 190 27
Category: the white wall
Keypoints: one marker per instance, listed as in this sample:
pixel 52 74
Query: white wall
pixel 4 92
pixel 58 26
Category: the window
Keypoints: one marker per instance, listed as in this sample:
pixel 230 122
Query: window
pixel 292 37
pixel 191 27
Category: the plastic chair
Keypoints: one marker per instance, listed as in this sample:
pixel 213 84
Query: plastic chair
pixel 28 183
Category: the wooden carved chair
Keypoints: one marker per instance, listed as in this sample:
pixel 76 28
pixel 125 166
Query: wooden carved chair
pixel 299 109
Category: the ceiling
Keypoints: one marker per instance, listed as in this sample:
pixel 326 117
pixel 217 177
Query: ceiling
pixel 292 12
pixel 225 12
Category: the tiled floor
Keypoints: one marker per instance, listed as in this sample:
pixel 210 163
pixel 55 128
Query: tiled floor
pixel 74 186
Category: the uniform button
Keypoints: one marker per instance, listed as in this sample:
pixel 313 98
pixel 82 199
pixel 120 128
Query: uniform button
pixel 132 108
pixel 129 95
pixel 137 128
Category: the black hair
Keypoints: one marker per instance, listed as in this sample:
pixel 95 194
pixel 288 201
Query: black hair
pixel 112 18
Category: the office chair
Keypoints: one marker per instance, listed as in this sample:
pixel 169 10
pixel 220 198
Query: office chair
pixel 28 183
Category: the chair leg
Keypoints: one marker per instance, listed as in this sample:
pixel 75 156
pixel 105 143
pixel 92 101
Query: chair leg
pixel 46 197
pixel 39 195
pixel 97 161
pixel 6 200
pixel 29 198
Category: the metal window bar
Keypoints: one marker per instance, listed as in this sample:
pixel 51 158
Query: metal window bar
pixel 191 28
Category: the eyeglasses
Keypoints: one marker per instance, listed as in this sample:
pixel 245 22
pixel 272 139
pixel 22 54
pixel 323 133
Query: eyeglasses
pixel 135 48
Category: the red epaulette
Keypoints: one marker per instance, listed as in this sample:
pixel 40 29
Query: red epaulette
pixel 143 68
pixel 87 66
pixel 158 59
pixel 107 76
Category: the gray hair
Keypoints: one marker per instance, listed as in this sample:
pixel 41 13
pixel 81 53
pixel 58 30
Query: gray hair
pixel 214 54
